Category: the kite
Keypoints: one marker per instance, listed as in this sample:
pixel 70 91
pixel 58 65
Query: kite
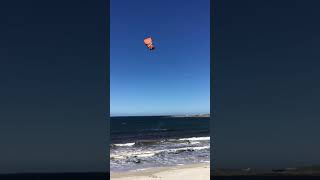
pixel 148 42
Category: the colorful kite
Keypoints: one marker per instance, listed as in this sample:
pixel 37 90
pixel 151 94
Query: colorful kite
pixel 148 43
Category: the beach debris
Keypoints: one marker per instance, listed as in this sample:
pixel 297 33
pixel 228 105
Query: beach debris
pixel 148 42
pixel 135 159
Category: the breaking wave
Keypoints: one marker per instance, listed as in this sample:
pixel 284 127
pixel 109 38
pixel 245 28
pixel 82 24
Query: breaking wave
pixel 147 153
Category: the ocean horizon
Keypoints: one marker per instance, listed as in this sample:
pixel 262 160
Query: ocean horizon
pixel 142 142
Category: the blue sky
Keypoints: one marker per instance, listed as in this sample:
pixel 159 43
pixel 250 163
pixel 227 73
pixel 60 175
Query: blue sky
pixel 173 79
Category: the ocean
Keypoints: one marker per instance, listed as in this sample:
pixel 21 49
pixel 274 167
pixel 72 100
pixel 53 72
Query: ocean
pixel 142 142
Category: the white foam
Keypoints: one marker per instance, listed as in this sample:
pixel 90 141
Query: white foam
pixel 196 139
pixel 136 154
pixel 125 155
pixel 195 142
pixel 125 144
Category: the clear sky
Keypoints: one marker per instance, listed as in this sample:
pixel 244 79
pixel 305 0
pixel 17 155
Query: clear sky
pixel 172 79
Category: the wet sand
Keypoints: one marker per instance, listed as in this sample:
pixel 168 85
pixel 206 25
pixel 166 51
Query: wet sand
pixel 186 172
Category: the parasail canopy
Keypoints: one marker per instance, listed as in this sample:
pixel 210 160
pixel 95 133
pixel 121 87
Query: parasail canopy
pixel 148 42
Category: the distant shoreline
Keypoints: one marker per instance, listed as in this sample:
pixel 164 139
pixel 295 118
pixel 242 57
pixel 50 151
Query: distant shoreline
pixel 185 115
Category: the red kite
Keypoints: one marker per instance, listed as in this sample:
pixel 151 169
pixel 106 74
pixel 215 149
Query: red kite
pixel 148 43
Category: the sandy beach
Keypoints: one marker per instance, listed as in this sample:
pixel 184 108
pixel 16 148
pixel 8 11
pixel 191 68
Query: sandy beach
pixel 186 172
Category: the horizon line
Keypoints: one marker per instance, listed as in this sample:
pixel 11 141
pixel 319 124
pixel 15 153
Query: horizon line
pixel 177 115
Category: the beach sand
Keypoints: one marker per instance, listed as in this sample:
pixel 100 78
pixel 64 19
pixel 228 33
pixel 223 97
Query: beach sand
pixel 187 172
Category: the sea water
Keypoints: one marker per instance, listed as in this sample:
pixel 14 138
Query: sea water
pixel 158 141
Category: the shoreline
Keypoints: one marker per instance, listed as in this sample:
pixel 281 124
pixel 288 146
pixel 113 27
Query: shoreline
pixel 186 172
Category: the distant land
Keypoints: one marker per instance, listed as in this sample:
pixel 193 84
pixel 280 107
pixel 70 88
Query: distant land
pixel 183 115
pixel 192 115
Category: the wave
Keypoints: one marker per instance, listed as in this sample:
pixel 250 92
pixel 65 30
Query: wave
pixel 147 142
pixel 196 139
pixel 192 140
pixel 142 154
pixel 126 155
pixel 123 145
